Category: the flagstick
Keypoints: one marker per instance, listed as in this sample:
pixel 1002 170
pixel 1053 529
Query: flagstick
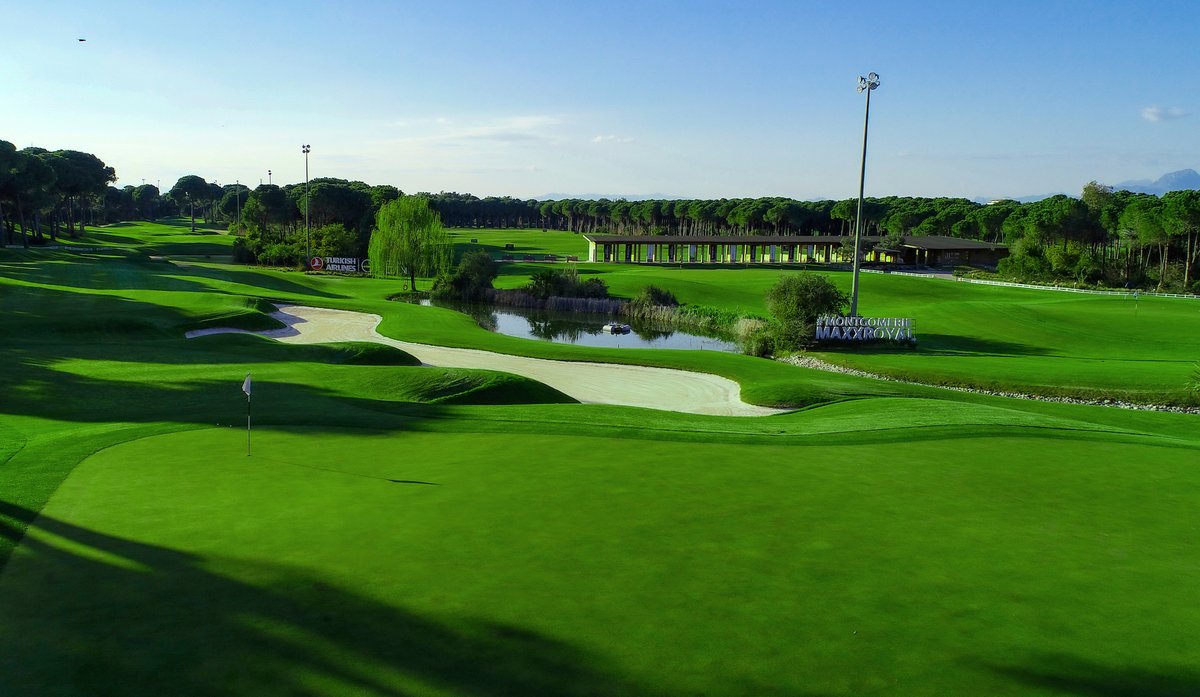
pixel 247 425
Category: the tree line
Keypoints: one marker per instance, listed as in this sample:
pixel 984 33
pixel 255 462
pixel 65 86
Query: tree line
pixel 1103 236
pixel 48 193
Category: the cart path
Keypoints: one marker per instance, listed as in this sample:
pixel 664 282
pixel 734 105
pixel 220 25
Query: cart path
pixel 595 383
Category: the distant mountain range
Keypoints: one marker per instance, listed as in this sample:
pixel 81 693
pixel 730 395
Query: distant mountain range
pixel 1183 180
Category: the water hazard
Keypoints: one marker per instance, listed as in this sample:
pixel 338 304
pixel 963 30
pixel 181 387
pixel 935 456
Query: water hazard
pixel 583 329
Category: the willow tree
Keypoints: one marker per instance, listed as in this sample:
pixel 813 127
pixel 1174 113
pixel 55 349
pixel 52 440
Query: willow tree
pixel 408 240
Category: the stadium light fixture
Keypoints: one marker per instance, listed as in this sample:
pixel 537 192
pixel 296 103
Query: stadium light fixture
pixel 865 84
pixel 307 205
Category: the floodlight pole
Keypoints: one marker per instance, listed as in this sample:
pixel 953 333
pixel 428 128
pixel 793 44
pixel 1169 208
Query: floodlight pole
pixel 268 177
pixel 865 84
pixel 307 205
pixel 237 199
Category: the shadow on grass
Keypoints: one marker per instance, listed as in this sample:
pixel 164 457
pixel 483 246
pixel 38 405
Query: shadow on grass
pixel 36 387
pixel 94 235
pixel 254 280
pixel 109 273
pixel 1070 675
pixel 949 345
pixel 115 273
pixel 69 320
pixel 184 225
pixel 89 613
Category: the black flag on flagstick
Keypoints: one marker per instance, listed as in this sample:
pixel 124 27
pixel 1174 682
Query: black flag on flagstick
pixel 246 389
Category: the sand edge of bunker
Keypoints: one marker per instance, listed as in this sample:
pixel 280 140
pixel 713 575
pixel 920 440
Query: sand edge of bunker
pixel 599 383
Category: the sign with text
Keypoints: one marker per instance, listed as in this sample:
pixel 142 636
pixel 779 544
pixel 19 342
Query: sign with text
pixel 837 328
pixel 340 264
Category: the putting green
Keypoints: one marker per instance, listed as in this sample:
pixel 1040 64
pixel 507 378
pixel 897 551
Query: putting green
pixel 416 563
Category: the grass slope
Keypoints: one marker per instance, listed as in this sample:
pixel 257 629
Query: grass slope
pixel 417 563
pixel 404 530
pixel 1025 340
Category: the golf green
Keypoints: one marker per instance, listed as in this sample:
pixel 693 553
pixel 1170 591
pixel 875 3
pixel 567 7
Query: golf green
pixel 412 563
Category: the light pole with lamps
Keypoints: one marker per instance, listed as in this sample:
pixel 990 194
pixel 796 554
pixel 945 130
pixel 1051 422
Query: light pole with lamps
pixel 307 204
pixel 237 198
pixel 865 84
pixel 268 177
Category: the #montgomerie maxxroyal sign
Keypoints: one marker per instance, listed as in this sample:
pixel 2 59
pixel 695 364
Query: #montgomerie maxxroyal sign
pixel 838 328
pixel 340 264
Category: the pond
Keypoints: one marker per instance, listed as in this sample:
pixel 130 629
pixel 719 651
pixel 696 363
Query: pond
pixel 583 329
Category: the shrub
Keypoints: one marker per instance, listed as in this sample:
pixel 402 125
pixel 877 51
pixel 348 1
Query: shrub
pixel 759 341
pixel 472 279
pixel 795 303
pixel 544 283
pixel 1024 267
pixel 333 240
pixel 653 304
pixel 653 296
pixel 242 253
pixel 280 254
pixel 564 283
pixel 593 288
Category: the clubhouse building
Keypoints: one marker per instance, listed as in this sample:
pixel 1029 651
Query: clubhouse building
pixel 929 250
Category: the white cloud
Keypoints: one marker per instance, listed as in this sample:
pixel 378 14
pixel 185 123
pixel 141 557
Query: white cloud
pixel 612 139
pixel 508 130
pixel 1156 114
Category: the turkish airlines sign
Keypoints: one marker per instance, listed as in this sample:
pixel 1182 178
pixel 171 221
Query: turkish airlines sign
pixel 340 264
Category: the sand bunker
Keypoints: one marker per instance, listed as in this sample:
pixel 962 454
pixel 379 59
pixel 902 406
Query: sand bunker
pixel 598 383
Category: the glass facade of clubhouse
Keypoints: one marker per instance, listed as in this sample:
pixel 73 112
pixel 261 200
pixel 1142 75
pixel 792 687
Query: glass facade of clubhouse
pixel 929 250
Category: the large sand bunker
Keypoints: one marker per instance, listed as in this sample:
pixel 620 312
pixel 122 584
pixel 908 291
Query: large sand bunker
pixel 599 383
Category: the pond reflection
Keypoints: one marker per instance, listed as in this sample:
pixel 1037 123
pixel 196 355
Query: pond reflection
pixel 582 329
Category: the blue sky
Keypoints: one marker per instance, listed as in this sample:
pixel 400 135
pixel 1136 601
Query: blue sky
pixel 688 99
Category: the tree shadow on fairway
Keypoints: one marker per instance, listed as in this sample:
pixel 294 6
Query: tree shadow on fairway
pixel 54 319
pixel 254 280
pixel 99 272
pixel 1070 675
pixel 95 235
pixel 88 613
pixel 184 224
pixel 950 345
pixel 135 272
pixel 37 388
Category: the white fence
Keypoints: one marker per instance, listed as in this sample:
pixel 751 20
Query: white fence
pixel 1063 289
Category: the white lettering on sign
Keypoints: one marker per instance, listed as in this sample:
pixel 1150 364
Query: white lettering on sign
pixel 342 264
pixel 838 328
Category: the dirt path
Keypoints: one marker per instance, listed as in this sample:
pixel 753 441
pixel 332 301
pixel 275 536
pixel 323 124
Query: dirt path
pixel 599 383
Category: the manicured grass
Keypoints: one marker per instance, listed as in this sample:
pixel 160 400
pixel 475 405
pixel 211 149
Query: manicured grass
pixel 407 530
pixel 418 563
pixel 1038 341
pixel 534 242
pixel 1043 342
